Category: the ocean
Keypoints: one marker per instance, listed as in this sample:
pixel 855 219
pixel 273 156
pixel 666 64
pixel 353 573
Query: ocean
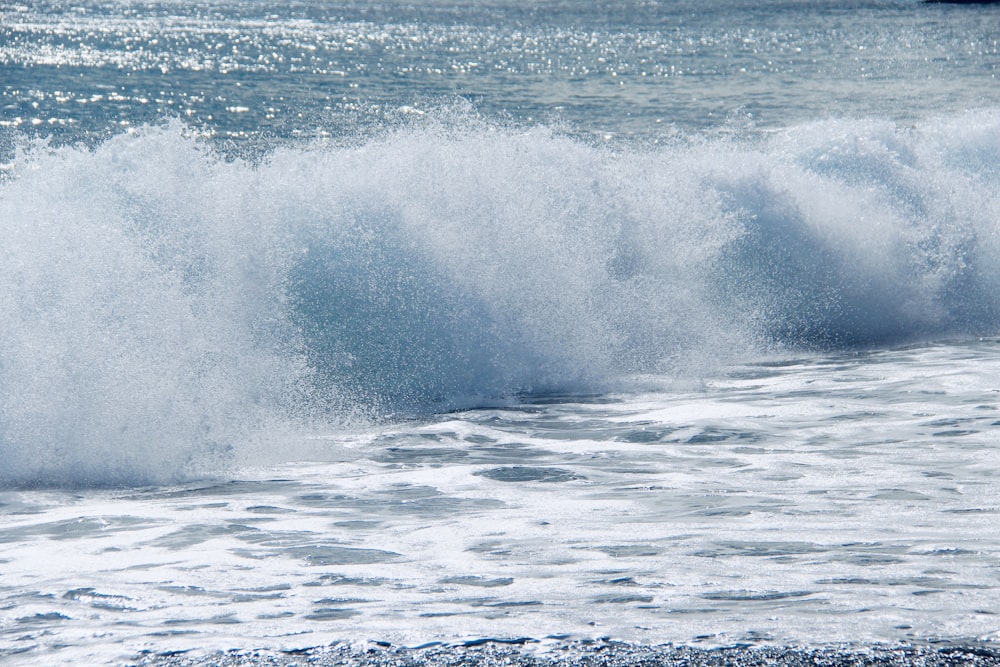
pixel 424 326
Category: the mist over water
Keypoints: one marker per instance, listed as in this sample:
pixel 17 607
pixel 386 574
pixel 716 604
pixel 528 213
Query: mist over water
pixel 164 307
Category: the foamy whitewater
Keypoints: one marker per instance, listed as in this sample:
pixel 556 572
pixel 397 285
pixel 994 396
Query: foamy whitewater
pixel 438 324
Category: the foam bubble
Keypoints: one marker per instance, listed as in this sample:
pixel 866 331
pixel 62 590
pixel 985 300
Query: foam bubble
pixel 162 308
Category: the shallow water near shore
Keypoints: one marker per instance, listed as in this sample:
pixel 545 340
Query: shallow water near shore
pixel 813 500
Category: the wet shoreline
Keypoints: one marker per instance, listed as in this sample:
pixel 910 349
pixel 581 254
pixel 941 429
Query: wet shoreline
pixel 520 653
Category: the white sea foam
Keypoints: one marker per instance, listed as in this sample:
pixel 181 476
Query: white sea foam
pixel 162 305
pixel 826 499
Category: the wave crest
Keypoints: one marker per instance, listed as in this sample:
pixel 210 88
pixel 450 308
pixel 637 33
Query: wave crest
pixel 161 306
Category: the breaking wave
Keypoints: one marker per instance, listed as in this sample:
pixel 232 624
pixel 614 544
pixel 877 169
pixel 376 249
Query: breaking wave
pixel 161 305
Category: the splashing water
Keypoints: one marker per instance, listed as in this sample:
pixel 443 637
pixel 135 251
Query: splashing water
pixel 163 308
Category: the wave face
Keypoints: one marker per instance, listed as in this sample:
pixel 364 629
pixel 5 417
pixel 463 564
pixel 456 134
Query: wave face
pixel 162 307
